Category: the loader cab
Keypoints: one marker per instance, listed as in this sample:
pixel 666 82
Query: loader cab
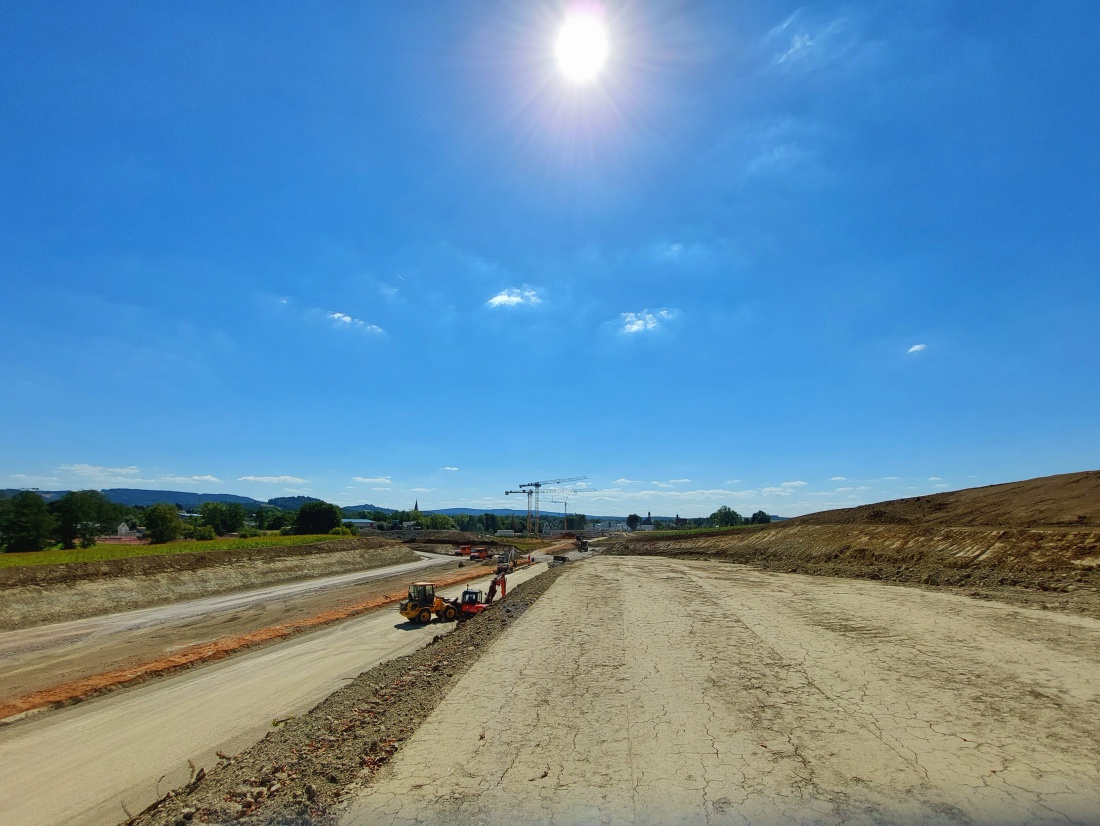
pixel 422 593
pixel 472 597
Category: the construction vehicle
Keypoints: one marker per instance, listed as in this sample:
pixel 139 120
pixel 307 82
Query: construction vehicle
pixel 471 604
pixel 423 602
pixel 463 550
pixel 480 552
pixel 510 560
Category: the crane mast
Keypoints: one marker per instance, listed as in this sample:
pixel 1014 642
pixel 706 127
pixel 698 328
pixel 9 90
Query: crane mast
pixel 535 487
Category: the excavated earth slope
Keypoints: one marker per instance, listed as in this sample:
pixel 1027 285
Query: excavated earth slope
pixel 1066 500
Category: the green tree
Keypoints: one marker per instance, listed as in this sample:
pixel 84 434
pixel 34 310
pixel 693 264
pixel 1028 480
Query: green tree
pixel 725 517
pixel 633 521
pixel 26 523
pixel 318 517
pixel 223 518
pixel 759 518
pixel 83 515
pixel 162 523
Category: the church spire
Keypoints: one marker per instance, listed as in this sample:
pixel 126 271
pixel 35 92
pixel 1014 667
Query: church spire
pixel 416 506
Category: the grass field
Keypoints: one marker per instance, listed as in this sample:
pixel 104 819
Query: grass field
pixel 103 552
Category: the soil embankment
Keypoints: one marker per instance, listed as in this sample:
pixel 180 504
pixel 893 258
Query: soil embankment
pixel 57 593
pixel 1049 567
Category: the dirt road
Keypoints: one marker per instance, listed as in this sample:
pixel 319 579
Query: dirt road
pixel 36 658
pixel 84 764
pixel 646 690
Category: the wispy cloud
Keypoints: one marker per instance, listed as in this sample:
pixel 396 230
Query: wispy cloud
pixel 628 482
pixel 420 490
pixel 679 481
pixel 271 480
pixel 104 476
pixel 644 321
pixel 804 44
pixel 448 468
pixel 732 482
pixel 372 480
pixel 935 479
pixel 917 348
pixel 345 321
pixel 773 491
pixel 797 484
pixel 213 480
pixel 838 479
pixel 514 297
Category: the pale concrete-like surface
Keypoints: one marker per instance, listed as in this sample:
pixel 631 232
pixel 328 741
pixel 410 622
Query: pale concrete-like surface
pixel 80 765
pixel 643 691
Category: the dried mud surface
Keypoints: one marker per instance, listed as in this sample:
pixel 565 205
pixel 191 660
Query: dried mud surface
pixel 1050 568
pixel 302 769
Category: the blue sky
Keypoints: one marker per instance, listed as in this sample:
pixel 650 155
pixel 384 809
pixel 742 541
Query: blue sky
pixel 778 255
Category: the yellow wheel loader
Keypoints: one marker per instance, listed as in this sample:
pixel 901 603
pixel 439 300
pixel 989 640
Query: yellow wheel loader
pixel 423 602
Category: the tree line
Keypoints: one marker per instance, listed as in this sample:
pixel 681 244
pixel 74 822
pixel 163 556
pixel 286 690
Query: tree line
pixel 724 517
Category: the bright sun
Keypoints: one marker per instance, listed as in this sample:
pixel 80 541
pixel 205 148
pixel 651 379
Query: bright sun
pixel 582 47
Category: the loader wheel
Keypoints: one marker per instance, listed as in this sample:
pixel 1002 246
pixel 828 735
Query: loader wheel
pixel 450 614
pixel 424 617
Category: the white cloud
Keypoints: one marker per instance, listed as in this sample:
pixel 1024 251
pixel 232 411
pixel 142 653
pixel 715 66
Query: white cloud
pixel 838 479
pixel 448 468
pixel 662 484
pixel 934 479
pixel 104 476
pixel 644 321
pixel 843 490
pixel 99 470
pixel 381 488
pixel 732 482
pixel 798 484
pixel 372 480
pixel 679 481
pixel 343 320
pixel 628 482
pixel 420 490
pixel 213 480
pixel 864 487
pixel 890 478
pixel 514 297
pixel 273 480
pixel 941 486
pixel 808 44
pixel 917 348
pixel 772 491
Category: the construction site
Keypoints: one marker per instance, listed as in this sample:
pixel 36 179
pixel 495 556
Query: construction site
pixel 933 660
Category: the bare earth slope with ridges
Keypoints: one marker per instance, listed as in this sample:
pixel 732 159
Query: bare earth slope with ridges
pixel 1066 500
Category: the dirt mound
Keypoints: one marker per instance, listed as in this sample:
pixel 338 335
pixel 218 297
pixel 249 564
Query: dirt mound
pixel 1066 500
pixel 449 538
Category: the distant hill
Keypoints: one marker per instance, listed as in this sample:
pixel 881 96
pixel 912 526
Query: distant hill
pixel 356 508
pixel 1066 500
pixel 291 503
pixel 133 497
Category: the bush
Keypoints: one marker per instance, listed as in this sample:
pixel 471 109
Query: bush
pixel 343 530
pixel 286 530
pixel 203 533
pixel 247 532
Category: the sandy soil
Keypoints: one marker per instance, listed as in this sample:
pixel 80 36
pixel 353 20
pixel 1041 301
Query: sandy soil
pixel 1047 568
pixel 648 690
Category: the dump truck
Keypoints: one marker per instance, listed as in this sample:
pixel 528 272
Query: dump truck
pixel 423 602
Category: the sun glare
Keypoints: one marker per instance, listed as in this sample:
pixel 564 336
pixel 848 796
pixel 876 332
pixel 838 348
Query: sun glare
pixel 582 47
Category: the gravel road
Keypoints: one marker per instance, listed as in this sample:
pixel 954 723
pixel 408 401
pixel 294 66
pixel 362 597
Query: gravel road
pixel 46 655
pixel 646 690
pixel 90 763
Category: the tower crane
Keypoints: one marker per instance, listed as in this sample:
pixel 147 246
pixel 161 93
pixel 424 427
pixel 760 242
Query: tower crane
pixel 532 490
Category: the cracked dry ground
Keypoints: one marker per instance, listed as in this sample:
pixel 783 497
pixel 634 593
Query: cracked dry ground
pixel 643 690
